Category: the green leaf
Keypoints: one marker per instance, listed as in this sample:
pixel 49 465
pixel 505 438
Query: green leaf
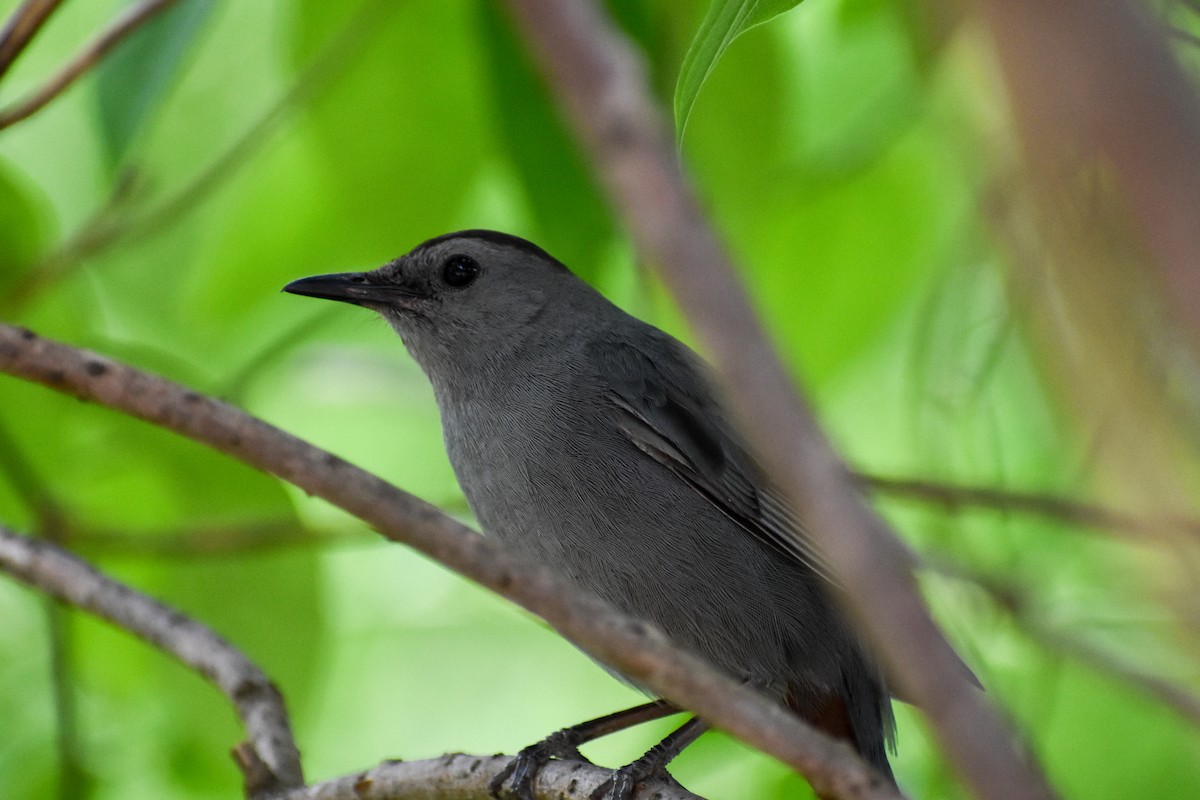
pixel 573 220
pixel 22 233
pixel 725 21
pixel 135 78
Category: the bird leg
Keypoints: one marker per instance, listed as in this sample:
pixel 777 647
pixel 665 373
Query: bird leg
pixel 625 780
pixel 516 779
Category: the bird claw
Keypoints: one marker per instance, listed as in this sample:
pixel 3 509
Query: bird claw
pixel 515 781
pixel 626 780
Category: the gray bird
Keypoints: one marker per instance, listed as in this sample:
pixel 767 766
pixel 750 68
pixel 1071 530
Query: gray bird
pixel 594 443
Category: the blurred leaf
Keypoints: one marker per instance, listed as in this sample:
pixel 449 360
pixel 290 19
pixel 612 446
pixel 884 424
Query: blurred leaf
pixel 401 154
pixel 562 194
pixel 725 21
pixel 21 230
pixel 134 78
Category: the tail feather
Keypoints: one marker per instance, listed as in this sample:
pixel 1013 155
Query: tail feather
pixel 866 733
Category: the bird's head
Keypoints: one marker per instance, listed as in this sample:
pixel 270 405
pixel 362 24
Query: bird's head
pixel 461 301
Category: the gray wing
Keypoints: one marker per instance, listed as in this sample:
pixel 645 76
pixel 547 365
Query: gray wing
pixel 667 409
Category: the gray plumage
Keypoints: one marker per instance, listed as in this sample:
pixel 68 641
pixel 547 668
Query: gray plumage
pixel 594 443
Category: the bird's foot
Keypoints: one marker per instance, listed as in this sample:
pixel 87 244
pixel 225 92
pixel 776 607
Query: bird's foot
pixel 515 781
pixel 626 780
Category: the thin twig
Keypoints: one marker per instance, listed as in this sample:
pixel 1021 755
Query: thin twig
pixel 1185 36
pixel 598 78
pixel 954 497
pixel 257 701
pixel 1172 695
pixel 636 649
pixel 125 24
pixel 209 541
pixel 52 525
pixel 112 224
pixel 1018 601
pixel 466 777
pixel 21 27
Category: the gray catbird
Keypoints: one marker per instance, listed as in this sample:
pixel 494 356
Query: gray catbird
pixel 594 443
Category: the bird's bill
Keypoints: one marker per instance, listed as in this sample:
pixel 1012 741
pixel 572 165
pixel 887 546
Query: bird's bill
pixel 350 287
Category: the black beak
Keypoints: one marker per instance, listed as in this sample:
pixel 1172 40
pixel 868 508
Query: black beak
pixel 351 287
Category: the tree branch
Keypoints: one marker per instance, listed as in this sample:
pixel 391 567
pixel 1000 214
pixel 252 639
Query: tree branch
pixel 636 649
pixel 465 777
pixel 87 58
pixel 954 497
pixel 257 701
pixel 1094 79
pixel 1017 601
pixel 598 79
pixel 21 27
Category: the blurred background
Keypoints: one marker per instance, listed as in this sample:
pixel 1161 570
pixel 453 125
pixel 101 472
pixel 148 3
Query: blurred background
pixel 859 159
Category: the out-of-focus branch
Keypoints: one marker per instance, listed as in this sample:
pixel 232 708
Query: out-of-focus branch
pixel 1171 694
pixel 116 222
pixel 465 777
pixel 1020 603
pixel 129 21
pixel 1095 79
pixel 211 540
pixel 597 77
pixel 954 497
pixel 636 649
pixel 21 27
pixel 53 526
pixel 257 701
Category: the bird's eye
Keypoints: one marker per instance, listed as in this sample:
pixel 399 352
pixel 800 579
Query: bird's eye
pixel 458 271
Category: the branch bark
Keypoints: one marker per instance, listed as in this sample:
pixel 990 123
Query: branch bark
pixel 257 702
pixel 634 648
pixel 598 79
pixel 465 777
pixel 1095 78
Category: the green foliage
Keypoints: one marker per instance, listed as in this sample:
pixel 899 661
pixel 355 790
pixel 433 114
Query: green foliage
pixel 837 149
pixel 138 73
pixel 725 21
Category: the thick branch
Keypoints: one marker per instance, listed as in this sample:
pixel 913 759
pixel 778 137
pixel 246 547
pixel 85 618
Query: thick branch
pixel 257 701
pixel 21 27
pixel 466 777
pixel 1096 79
pixel 87 58
pixel 636 649
pixel 598 79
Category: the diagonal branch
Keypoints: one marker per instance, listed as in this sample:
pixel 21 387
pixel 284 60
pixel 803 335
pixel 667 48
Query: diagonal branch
pixel 598 79
pixel 1095 79
pixel 87 58
pixel 635 649
pixel 20 29
pixel 270 747
pixel 1019 602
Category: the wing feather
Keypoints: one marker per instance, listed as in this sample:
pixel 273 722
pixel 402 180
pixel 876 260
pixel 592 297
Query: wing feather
pixel 667 410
